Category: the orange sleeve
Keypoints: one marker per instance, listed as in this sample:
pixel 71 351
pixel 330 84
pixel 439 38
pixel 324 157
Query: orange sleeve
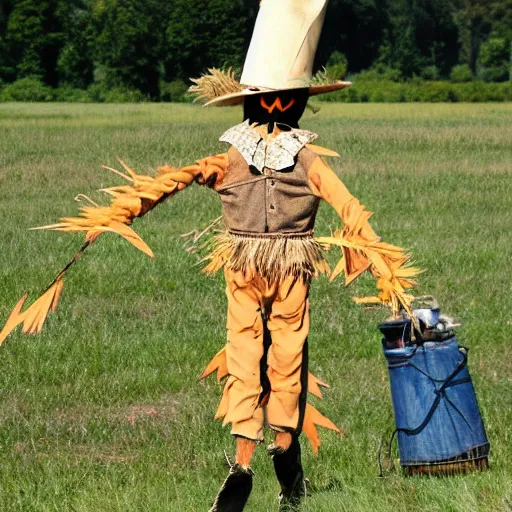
pixel 325 184
pixel 329 187
pixel 208 171
pixel 361 248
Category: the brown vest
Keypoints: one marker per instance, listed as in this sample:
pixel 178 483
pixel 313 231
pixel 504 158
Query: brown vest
pixel 273 202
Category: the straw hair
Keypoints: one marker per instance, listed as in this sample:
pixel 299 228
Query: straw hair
pixel 215 84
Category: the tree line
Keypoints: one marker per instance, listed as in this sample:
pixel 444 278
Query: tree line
pixel 154 46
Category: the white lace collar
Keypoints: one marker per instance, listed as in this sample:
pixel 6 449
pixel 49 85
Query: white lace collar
pixel 277 153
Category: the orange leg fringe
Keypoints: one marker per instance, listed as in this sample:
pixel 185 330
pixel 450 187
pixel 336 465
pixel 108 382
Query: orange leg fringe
pixel 283 440
pixel 312 418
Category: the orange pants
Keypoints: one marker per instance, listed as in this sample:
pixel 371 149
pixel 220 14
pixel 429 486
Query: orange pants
pixel 267 325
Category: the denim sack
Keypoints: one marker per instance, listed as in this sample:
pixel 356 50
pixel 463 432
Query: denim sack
pixel 434 402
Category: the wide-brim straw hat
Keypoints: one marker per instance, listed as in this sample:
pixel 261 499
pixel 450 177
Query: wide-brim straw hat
pixel 280 56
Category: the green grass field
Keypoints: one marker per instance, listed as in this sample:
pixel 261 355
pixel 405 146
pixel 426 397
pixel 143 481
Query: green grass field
pixel 103 410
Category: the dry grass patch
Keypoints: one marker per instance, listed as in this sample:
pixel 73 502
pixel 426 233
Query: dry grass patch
pixel 163 411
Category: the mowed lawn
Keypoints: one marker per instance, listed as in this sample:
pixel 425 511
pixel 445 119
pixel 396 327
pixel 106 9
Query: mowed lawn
pixel 103 411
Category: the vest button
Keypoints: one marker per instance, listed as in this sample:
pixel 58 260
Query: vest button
pixel 272 207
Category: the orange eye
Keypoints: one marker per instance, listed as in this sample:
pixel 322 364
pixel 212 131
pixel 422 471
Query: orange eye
pixel 277 104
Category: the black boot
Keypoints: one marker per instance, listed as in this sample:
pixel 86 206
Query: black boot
pixel 235 490
pixel 288 467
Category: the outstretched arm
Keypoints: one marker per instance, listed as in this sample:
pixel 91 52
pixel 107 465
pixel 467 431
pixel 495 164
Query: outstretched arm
pixel 362 249
pixel 130 201
pixel 139 197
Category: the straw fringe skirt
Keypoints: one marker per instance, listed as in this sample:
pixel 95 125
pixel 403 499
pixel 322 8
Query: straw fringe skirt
pixel 273 256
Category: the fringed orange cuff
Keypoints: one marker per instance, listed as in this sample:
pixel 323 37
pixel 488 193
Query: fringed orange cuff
pixel 363 250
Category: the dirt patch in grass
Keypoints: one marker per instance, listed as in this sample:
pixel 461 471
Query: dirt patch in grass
pixel 163 410
pixel 71 433
pixel 13 408
pixel 108 454
pixel 45 448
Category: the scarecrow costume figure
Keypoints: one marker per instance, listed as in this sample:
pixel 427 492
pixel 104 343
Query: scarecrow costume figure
pixel 270 183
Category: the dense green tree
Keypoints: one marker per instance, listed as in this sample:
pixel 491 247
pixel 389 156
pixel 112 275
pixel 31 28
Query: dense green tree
pixel 477 20
pixel 494 60
pixel 129 35
pixel 436 35
pixel 405 53
pixel 470 16
pixel 355 28
pixel 422 37
pixel 500 14
pixel 6 65
pixel 5 11
pixel 207 33
pixel 75 63
pixel 34 38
